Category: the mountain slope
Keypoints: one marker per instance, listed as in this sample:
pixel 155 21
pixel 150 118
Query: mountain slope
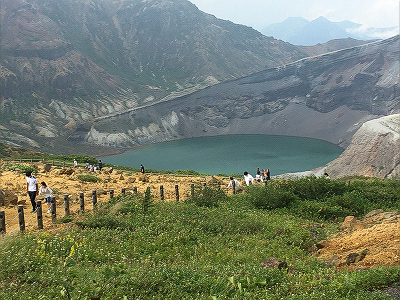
pixel 374 150
pixel 326 97
pixel 70 61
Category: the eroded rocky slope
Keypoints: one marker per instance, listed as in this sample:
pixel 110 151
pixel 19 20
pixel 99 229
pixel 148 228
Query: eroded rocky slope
pixel 373 151
pixel 326 97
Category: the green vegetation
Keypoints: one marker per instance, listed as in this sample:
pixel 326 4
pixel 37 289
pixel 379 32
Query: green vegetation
pixel 20 167
pixel 67 158
pixel 88 178
pixel 210 247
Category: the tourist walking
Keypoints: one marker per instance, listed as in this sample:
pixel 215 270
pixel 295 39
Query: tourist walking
pixel 258 175
pixel 75 163
pixel 248 178
pixel 47 194
pixel 267 175
pixel 100 164
pixel 141 169
pixel 32 189
pixel 233 183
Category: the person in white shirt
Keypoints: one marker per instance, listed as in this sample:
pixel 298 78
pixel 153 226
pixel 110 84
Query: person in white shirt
pixel 75 163
pixel 47 193
pixel 32 188
pixel 248 178
pixel 232 182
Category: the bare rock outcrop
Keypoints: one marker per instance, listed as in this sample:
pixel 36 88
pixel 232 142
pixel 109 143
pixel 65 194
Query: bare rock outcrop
pixel 7 198
pixel 373 151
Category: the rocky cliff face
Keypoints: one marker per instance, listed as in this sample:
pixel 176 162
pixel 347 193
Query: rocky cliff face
pixel 374 150
pixel 327 97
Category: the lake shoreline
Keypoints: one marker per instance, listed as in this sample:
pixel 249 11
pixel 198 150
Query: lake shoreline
pixel 153 156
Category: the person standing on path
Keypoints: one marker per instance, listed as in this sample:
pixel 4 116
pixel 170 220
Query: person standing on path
pixel 258 175
pixel 75 163
pixel 47 194
pixel 268 175
pixel 32 189
pixel 100 164
pixel 141 169
pixel 248 178
pixel 233 183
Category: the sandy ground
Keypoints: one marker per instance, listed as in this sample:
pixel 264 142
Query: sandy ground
pixel 380 234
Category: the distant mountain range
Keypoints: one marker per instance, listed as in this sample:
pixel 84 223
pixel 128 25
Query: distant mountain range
pixel 299 31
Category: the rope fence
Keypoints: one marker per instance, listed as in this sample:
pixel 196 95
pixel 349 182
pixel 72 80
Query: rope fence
pixel 67 207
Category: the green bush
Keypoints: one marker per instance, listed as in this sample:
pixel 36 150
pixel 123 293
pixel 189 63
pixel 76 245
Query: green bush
pixel 311 187
pixel 208 196
pixel 65 219
pixel 20 167
pixel 312 209
pixel 88 178
pixel 147 201
pixel 353 202
pixel 269 197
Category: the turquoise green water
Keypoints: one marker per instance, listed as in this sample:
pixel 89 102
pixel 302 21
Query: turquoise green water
pixel 231 154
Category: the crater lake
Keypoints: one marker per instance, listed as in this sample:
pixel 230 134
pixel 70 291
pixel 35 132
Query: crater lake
pixel 230 154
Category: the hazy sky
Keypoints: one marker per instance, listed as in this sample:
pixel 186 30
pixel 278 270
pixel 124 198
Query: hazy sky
pixel 259 13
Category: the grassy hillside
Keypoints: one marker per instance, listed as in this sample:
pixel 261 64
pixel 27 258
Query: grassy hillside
pixel 209 247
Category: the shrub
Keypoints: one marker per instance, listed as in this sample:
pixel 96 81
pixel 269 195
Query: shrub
pixel 208 196
pixel 311 187
pixel 20 167
pixel 88 178
pixel 354 202
pixel 65 219
pixel 147 201
pixel 269 197
pixel 313 209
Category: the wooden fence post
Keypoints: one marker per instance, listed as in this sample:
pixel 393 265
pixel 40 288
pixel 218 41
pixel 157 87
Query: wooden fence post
pixel 66 204
pixel 2 221
pixel 234 186
pixel 123 191
pixel 53 209
pixel 266 182
pixel 82 202
pixel 161 192
pixel 135 190
pixel 111 194
pixel 39 214
pixel 21 218
pixel 94 198
pixel 176 192
pixel 192 190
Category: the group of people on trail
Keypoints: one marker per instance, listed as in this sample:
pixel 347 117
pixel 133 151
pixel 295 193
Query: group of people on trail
pixel 90 167
pixel 261 175
pixel 32 189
